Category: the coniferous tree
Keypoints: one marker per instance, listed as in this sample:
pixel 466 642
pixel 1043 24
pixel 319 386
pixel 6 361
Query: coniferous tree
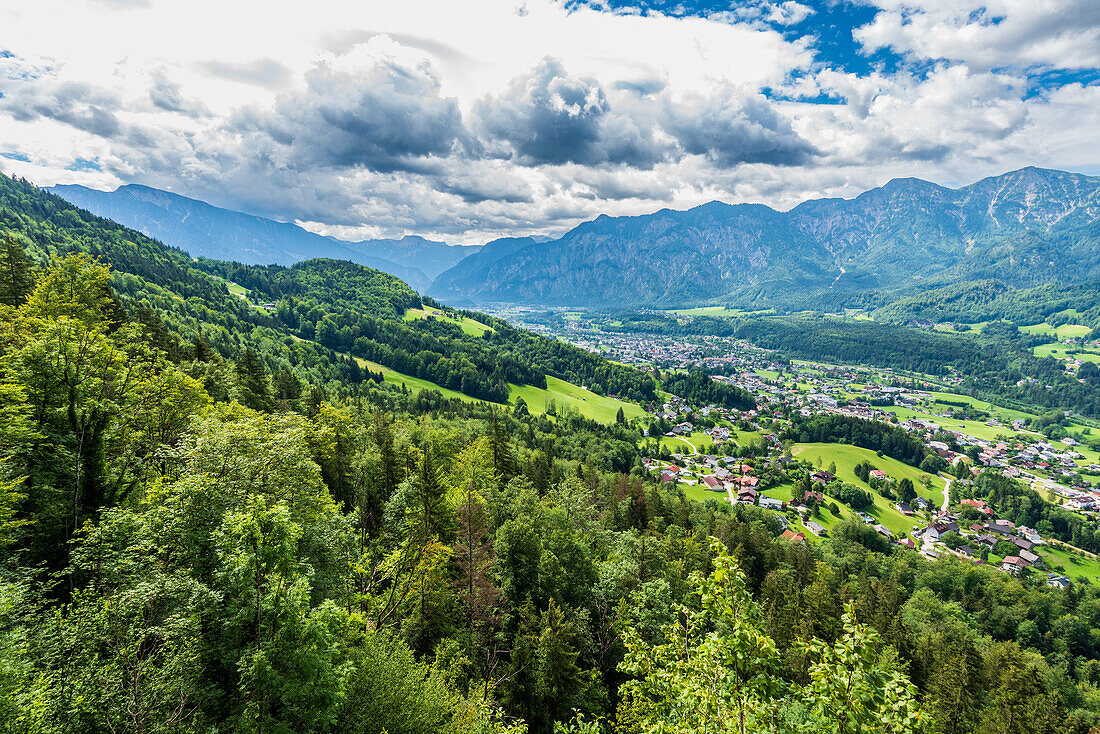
pixel 252 382
pixel 16 272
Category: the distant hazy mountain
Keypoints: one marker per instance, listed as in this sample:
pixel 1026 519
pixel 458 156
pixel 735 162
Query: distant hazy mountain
pixel 430 257
pixel 1027 227
pixel 204 230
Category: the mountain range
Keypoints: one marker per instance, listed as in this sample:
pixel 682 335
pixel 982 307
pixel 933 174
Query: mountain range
pixel 1024 228
pixel 204 230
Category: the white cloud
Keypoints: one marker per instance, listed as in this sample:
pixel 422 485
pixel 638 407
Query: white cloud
pixel 475 120
pixel 990 34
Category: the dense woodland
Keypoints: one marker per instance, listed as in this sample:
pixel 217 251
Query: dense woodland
pixel 326 309
pixel 697 387
pixel 351 308
pixel 195 541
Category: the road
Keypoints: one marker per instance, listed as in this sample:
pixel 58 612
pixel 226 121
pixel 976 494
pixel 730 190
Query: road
pixel 946 495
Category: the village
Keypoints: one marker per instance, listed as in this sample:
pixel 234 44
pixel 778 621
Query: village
pixel 740 458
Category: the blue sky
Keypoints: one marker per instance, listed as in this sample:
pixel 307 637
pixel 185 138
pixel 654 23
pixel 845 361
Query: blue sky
pixel 468 121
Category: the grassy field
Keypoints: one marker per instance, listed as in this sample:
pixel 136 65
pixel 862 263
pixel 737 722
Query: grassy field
pixel 589 404
pixel 237 290
pixel 469 326
pixel 415 384
pixel 703 443
pixel 1071 566
pixel 846 457
pixel 1061 351
pixel 717 311
pixel 1065 331
pixel 977 429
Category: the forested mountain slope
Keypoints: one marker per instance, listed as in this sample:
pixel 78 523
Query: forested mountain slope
pixel 334 308
pixel 359 560
pixel 1029 227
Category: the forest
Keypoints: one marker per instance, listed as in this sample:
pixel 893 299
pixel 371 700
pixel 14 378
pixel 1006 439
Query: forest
pixel 327 312
pixel 176 562
pixel 697 387
pixel 195 541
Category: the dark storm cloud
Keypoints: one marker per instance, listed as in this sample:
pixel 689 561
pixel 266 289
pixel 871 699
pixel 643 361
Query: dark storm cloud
pixel 385 117
pixel 80 105
pixel 731 131
pixel 550 117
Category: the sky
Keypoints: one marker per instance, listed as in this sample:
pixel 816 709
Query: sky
pixel 467 121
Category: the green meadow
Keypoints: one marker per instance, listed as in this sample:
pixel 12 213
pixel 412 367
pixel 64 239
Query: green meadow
pixel 468 325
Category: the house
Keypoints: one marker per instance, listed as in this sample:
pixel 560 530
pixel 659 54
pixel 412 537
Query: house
pixel 966 550
pixel 817 497
pixel 884 532
pixel 924 503
pixel 746 496
pixel 1059 582
pixel 988 540
pixel 667 476
pixel 771 503
pixel 1032 535
pixel 878 474
pixel 713 484
pixel 938 529
pixel 904 508
pixel 1020 542
pixel 822 477
pixel 748 481
pixel 979 504
pixel 816 529
pixel 793 536
pixel 1028 556
pixel 1013 564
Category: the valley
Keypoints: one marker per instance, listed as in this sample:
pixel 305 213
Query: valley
pixel 550 367
pixel 819 441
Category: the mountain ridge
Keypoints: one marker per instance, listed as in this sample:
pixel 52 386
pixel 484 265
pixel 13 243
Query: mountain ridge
pixel 1031 226
pixel 205 230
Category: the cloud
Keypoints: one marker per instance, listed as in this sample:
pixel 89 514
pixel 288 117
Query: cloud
pixel 77 104
pixel 993 34
pixel 370 109
pixel 264 72
pixel 166 95
pixel 471 120
pixel 548 116
pixel 730 130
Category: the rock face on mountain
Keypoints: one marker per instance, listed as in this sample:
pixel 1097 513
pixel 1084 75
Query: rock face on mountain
pixel 475 268
pixel 204 230
pixel 1029 226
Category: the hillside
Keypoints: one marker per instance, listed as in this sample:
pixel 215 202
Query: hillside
pixel 1030 227
pixel 208 231
pixel 326 314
